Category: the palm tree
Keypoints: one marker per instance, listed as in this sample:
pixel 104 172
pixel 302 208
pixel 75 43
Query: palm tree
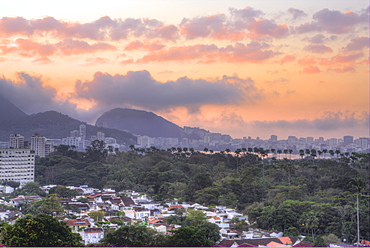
pixel 313 154
pixel 279 152
pixel 237 152
pixel 324 151
pixel 331 152
pixel 205 149
pixel 286 152
pixel 273 150
pixel 244 150
pixel 358 184
pixel 301 153
pixel 308 152
pixel 319 152
pixel 337 152
pixel 290 154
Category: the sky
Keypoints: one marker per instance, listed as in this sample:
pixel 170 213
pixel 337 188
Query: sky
pixel 244 68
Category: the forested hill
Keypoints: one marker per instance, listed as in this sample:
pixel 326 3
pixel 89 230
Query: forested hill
pixel 55 125
pixel 141 123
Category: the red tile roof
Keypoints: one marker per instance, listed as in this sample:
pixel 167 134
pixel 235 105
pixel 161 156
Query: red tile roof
pixel 303 244
pixel 285 240
pixel 78 222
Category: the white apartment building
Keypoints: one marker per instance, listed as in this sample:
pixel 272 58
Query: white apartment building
pixel 17 165
pixel 41 146
pixel 16 141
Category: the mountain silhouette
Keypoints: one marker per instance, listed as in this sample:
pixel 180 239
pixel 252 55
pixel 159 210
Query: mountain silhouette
pixel 55 125
pixel 140 122
pixel 8 111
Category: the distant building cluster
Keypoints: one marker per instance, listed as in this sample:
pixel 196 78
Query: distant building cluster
pixel 218 142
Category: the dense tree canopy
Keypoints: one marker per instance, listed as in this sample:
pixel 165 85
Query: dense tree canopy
pixel 275 193
pixel 40 230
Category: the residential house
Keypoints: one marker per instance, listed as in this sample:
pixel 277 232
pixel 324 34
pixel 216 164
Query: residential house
pixel 78 224
pixel 264 242
pixel 92 235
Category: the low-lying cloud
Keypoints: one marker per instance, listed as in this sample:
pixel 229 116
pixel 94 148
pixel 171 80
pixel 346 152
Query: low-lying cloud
pixel 328 121
pixel 140 89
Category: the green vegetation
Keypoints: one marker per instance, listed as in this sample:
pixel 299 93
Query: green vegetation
pixel 314 197
pixel 40 230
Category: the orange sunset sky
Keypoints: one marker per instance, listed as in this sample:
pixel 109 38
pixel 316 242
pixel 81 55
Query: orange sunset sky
pixel 244 68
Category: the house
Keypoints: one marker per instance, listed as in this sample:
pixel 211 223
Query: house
pixel 142 213
pixel 24 199
pixel 92 235
pixel 264 242
pixel 164 228
pixel 128 202
pixel 130 214
pixel 78 224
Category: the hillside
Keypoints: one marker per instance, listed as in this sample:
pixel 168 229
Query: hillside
pixel 55 125
pixel 140 122
pixel 8 111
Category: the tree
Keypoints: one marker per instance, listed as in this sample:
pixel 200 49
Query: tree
pixel 319 242
pixel 12 184
pixel 31 188
pixel 50 205
pixel 358 184
pixel 196 217
pixel 96 151
pixel 190 236
pixel 97 215
pixel 133 236
pixel 40 230
pixel 63 192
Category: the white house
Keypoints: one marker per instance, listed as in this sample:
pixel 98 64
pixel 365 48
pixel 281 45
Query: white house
pixel 92 235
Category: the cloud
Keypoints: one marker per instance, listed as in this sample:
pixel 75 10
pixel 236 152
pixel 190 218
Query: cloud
pixel 296 13
pixel 259 28
pixel 333 21
pixel 343 70
pixel 287 59
pixel 139 89
pixel 311 69
pixel 31 95
pixel 357 43
pixel 202 27
pixel 138 45
pixel 254 52
pixel 328 121
pixel 104 28
pixel 246 14
pixel 29 48
pixel 318 49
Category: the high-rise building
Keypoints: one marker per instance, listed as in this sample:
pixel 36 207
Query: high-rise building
pixel 49 147
pixel 38 144
pixel 348 140
pixel 17 165
pixel 16 141
pixel 83 131
pixel 273 138
pixel 309 139
pixel 74 134
pixel 100 136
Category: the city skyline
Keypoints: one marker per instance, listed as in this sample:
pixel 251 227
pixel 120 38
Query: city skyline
pixel 243 68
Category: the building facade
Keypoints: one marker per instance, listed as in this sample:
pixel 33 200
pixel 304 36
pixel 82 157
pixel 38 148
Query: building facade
pixel 17 165
pixel 16 141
